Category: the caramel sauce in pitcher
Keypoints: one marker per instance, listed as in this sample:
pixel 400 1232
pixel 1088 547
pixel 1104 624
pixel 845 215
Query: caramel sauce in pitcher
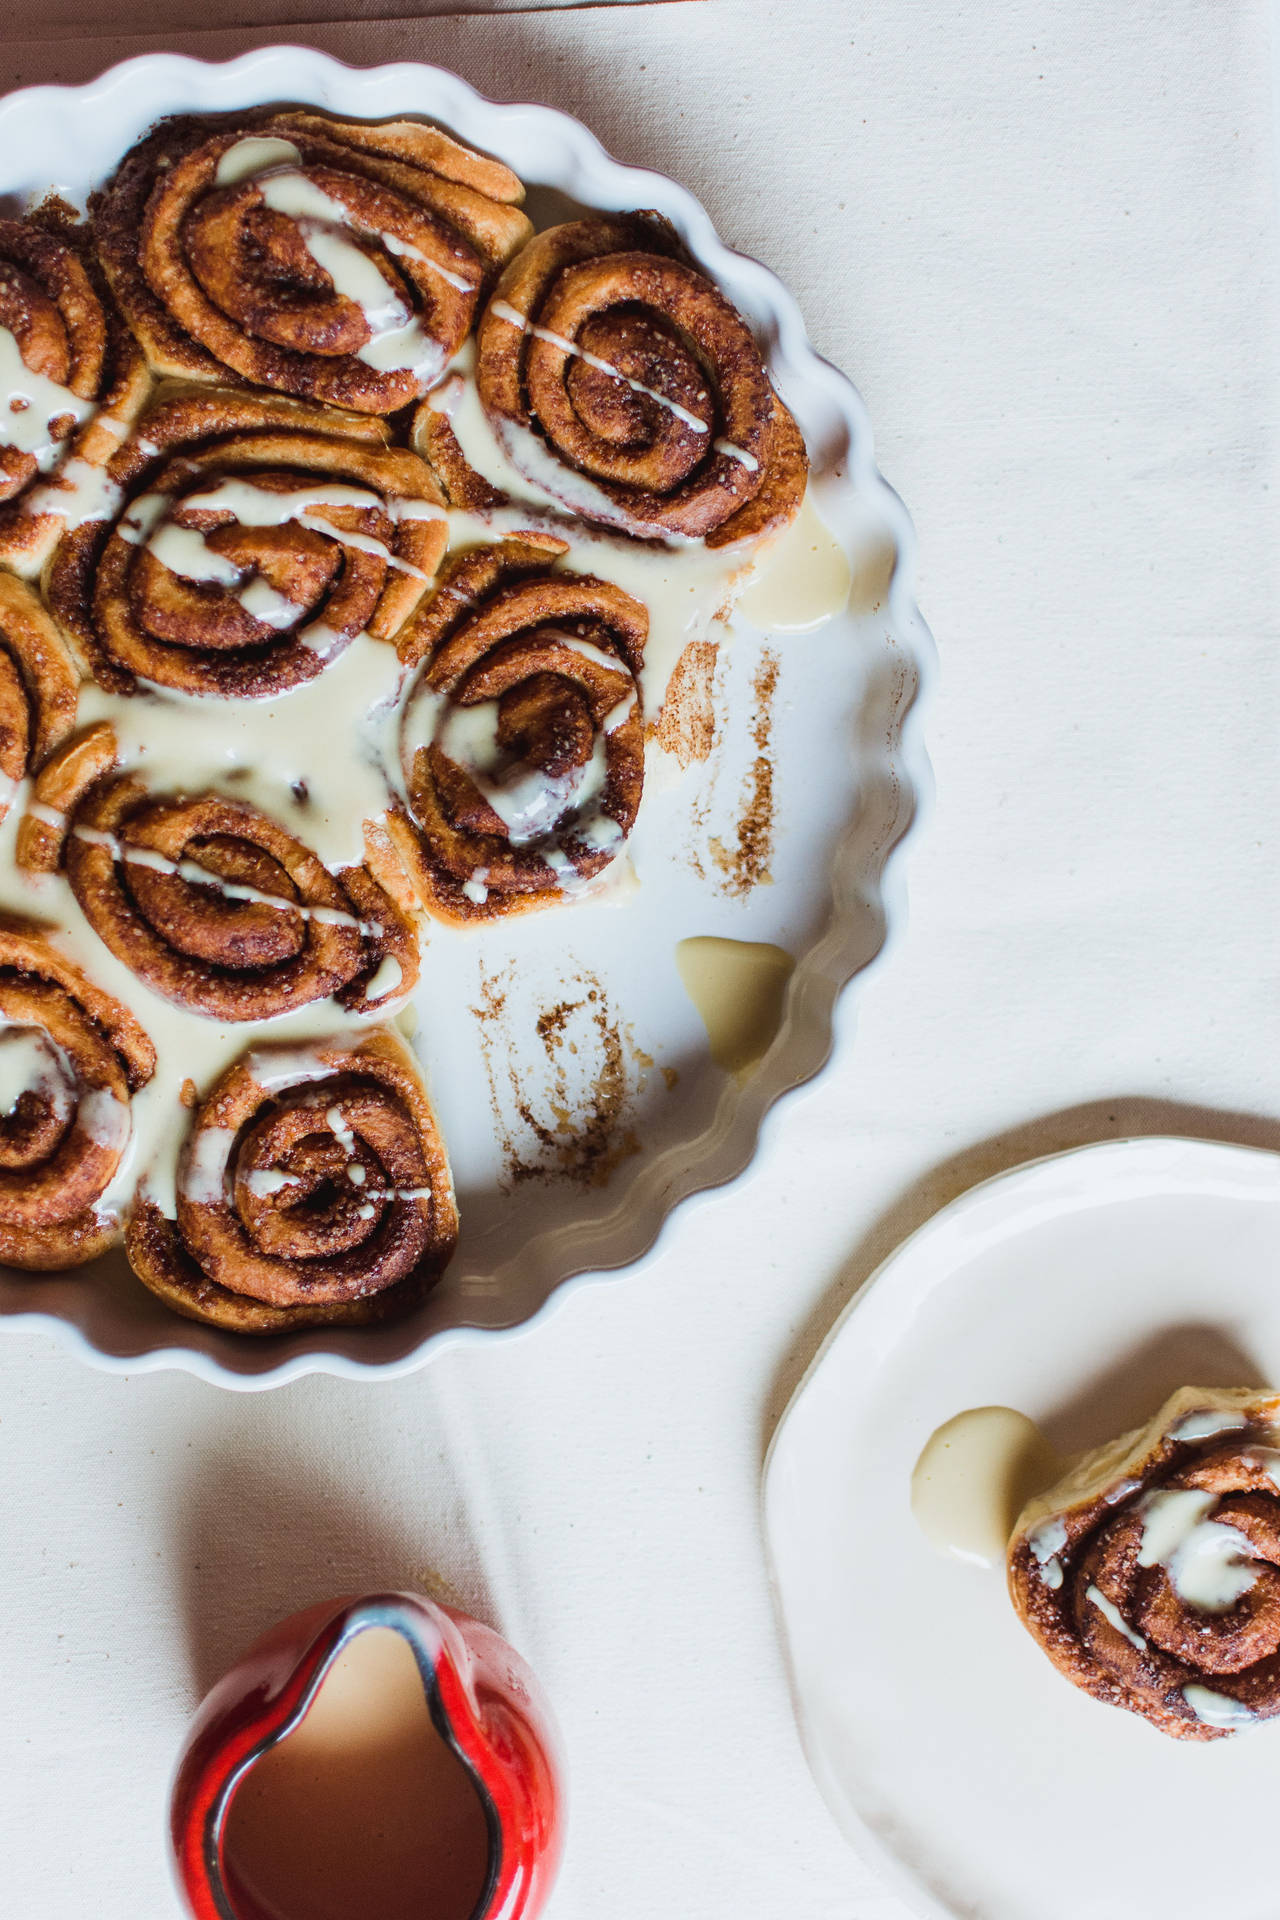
pixel 363 1811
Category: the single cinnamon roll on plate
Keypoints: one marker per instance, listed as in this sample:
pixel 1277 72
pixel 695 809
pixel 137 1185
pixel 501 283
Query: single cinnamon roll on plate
pixel 209 901
pixel 1150 1574
pixel 72 378
pixel 252 538
pixel 313 1190
pixel 522 740
pixel 622 381
pixel 70 1058
pixel 336 260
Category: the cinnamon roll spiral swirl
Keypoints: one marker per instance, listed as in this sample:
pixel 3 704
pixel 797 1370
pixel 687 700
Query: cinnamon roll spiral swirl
pixel 1150 1575
pixel 39 687
pixel 333 260
pixel 522 741
pixel 72 378
pixel 252 539
pixel 313 1190
pixel 209 901
pixel 620 380
pixel 70 1058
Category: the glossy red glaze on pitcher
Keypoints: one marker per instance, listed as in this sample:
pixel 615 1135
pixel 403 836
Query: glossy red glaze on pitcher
pixel 485 1703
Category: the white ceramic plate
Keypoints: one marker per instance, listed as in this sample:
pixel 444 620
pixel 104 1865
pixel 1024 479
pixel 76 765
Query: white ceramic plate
pixel 1082 1290
pixel 849 772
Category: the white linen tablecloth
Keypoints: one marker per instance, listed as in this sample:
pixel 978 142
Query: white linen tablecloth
pixel 1042 240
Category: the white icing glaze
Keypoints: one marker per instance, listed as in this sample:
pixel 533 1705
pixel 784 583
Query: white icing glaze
pixel 30 405
pixel 537 809
pixel 184 550
pixel 287 1067
pixel 1202 1426
pixel 976 1472
pixel 265 1181
pixel 204 1178
pixel 503 310
pixel 79 492
pixel 48 816
pixel 254 155
pixel 1208 1562
pixel 407 251
pixel 315 758
pixel 103 1118
pixel 740 454
pixel 1267 1460
pixel 398 342
pixel 530 455
pixel 1046 1543
pixel 803 578
pixel 32 1062
pixel 1111 1612
pixel 386 979
pixel 197 876
pixel 1217 1709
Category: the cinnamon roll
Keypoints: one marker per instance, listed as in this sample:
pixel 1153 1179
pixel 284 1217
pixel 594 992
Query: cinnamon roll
pixel 334 260
pixel 621 381
pixel 522 740
pixel 39 687
pixel 1150 1574
pixel 251 540
pixel 72 378
pixel 313 1190
pixel 208 900
pixel 70 1058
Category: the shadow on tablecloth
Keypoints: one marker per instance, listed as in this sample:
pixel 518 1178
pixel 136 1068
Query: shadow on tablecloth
pixel 1129 1116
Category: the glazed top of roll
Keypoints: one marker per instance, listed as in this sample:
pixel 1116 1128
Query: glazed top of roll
pixel 208 899
pixel 621 380
pixel 313 1188
pixel 522 741
pixel 249 540
pixel 1150 1573
pixel 334 260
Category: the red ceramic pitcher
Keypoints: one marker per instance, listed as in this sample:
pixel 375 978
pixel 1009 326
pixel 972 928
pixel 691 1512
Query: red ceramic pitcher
pixel 485 1705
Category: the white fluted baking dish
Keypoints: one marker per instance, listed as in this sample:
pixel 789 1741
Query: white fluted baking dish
pixel 628 1096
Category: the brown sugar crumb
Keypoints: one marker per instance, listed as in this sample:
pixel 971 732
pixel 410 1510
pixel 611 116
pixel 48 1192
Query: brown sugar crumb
pixel 55 214
pixel 189 1095
pixel 686 726
pixel 560 1093
pixel 744 863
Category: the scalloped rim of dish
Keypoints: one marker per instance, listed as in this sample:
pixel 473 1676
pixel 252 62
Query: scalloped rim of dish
pixel 297 73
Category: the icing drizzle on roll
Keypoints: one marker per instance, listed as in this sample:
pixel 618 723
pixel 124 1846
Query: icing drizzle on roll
pixel 208 900
pixel 330 259
pixel 522 741
pixel 251 541
pixel 621 380
pixel 313 1190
